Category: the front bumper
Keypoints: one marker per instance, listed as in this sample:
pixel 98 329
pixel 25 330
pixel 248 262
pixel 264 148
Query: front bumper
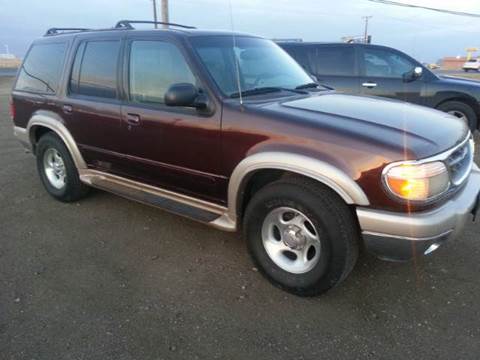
pixel 401 237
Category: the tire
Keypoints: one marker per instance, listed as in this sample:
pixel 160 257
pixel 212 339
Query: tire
pixel 458 108
pixel 49 148
pixel 331 260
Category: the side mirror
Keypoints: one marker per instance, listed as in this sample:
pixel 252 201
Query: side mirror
pixel 184 94
pixel 413 75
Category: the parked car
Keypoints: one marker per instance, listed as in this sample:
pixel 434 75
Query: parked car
pixel 372 70
pixel 431 66
pixel 472 64
pixel 229 130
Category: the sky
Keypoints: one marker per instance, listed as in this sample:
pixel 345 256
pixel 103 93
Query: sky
pixel 426 35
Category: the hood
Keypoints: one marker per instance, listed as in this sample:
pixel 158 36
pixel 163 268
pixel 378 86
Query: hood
pixel 410 129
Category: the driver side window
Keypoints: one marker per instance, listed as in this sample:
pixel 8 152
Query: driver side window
pixel 384 63
pixel 154 67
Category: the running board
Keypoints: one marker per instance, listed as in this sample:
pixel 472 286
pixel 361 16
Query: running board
pixel 187 206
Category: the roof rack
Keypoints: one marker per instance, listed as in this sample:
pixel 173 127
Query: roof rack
pixel 56 31
pixel 128 24
pixel 296 40
pixel 121 25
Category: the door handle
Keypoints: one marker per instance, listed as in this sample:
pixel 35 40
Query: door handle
pixel 67 109
pixel 133 119
pixel 369 85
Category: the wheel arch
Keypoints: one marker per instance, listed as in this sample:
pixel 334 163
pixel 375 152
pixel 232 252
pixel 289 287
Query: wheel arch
pixel 325 173
pixel 44 121
pixel 464 98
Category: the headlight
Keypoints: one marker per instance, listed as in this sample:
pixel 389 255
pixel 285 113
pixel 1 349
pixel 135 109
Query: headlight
pixel 417 182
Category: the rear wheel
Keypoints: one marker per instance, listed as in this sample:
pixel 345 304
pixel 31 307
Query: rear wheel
pixel 462 111
pixel 57 169
pixel 301 235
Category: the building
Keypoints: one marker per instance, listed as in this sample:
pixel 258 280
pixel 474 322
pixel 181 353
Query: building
pixel 453 63
pixel 9 61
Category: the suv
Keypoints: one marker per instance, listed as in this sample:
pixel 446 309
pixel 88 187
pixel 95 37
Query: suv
pixel 472 64
pixel 229 130
pixel 372 70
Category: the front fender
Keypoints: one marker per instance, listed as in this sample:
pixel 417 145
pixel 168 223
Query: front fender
pixel 318 170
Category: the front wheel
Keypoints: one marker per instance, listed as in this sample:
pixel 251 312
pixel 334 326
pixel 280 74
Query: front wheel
pixel 301 235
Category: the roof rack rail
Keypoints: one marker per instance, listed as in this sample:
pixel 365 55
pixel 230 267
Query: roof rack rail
pixel 296 40
pixel 128 24
pixel 56 31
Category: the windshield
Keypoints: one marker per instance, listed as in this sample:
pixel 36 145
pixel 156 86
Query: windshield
pixel 261 64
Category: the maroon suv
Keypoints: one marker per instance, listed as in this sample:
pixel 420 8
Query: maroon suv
pixel 228 130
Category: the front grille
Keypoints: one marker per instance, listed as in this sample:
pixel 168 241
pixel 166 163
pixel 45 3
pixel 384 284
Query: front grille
pixel 460 162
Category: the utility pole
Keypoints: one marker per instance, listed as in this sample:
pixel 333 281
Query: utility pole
pixel 165 17
pixel 366 18
pixel 155 13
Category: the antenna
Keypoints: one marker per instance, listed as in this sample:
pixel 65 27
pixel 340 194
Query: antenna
pixel 237 65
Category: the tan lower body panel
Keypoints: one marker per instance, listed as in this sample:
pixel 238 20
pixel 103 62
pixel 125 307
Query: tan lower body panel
pixel 196 209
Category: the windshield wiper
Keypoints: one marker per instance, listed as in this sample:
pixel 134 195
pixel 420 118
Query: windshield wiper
pixel 265 90
pixel 311 85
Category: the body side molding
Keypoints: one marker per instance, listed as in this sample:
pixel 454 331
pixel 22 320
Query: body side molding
pixel 54 123
pixel 318 170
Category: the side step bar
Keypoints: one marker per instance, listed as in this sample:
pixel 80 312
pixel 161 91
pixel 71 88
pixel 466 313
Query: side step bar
pixel 180 204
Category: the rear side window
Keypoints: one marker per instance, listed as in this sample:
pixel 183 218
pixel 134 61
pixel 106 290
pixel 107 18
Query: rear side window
pixel 332 60
pixel 94 70
pixel 42 68
pixel 154 67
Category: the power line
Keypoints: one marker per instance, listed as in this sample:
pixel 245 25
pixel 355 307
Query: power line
pixel 444 11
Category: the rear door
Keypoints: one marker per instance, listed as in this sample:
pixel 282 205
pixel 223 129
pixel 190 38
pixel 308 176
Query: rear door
pixel 382 71
pixel 177 148
pixel 92 106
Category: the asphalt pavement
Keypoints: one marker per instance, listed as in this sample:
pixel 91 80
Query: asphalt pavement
pixel 107 278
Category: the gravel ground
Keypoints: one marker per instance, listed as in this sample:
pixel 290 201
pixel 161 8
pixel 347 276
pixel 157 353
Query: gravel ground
pixel 108 278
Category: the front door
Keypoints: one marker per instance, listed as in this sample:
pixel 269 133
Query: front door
pixel 382 73
pixel 177 148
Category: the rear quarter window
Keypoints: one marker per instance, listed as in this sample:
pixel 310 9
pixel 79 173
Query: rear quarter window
pixel 42 68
